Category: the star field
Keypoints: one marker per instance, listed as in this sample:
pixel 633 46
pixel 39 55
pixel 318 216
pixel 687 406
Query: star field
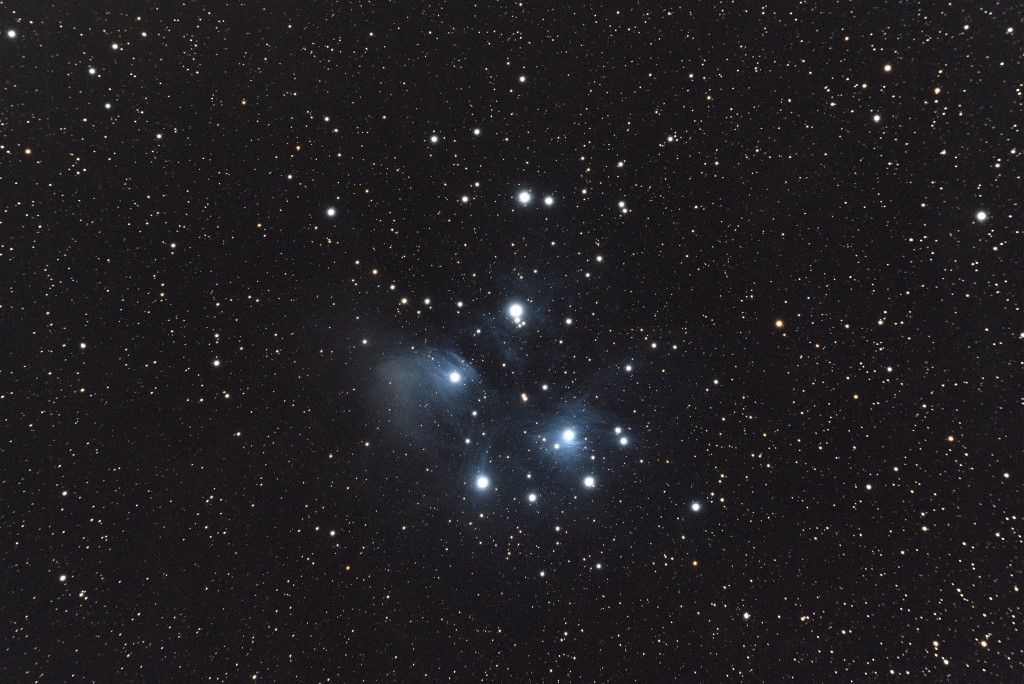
pixel 358 342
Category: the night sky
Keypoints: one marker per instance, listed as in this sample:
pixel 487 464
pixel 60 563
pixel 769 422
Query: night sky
pixel 358 342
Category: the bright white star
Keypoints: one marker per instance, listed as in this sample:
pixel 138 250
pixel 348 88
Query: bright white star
pixel 482 482
pixel 589 481
pixel 569 435
pixel 525 197
pixel 455 377
pixel 516 311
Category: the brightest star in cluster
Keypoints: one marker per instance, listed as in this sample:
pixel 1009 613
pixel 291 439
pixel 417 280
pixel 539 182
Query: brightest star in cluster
pixel 331 211
pixel 455 377
pixel 516 311
pixel 482 482
pixel 531 497
pixel 981 215
pixel 549 200
pixel 589 481
pixel 569 435
pixel 695 506
pixel 525 197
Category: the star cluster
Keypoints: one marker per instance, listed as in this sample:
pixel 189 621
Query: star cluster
pixel 359 342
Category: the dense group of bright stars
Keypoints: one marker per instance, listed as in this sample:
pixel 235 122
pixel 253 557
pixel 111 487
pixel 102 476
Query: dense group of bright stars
pixel 568 436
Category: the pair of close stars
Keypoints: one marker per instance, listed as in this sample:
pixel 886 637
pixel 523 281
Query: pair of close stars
pixel 525 197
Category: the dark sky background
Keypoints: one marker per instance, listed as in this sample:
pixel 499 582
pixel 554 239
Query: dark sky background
pixel 243 248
